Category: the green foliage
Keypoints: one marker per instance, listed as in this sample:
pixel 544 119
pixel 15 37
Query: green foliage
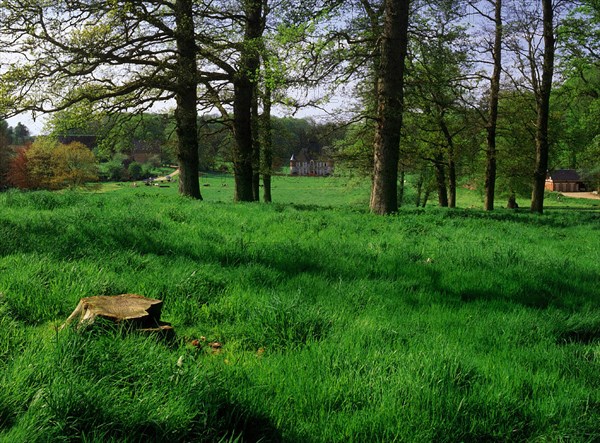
pixel 335 325
pixel 354 152
pixel 135 170
pixel 47 164
pixel 73 165
pixel 6 153
pixel 516 143
pixel 114 169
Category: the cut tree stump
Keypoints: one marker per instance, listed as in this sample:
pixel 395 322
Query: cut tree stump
pixel 130 310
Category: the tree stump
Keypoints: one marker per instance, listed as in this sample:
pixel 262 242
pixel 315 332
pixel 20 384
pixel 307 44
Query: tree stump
pixel 133 311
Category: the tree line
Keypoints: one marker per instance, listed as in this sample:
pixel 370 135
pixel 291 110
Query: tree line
pixel 127 146
pixel 504 85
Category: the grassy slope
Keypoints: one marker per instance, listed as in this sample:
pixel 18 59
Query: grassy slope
pixel 337 325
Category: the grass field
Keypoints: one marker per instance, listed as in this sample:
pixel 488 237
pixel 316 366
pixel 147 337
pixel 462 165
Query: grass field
pixel 336 325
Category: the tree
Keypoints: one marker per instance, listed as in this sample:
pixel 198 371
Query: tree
pixel 246 151
pixel 266 144
pixel 515 137
pixel 390 95
pixel 6 153
pixel 495 49
pixel 533 43
pixel 578 97
pixel 579 35
pixel 115 132
pixel 73 165
pixel 254 67
pixel 17 174
pixel 437 89
pixel 115 55
pixel 21 134
pixel 48 164
pixel 542 89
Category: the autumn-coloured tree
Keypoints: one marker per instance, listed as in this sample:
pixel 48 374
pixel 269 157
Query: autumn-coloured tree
pixel 48 164
pixel 39 163
pixel 17 172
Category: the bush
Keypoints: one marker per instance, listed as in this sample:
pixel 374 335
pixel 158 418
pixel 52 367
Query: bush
pixel 135 171
pixel 73 165
pixel 47 164
pixel 114 169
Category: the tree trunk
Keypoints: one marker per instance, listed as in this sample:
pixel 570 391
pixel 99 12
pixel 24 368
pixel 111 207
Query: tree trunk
pixel 186 115
pixel 266 144
pixel 390 95
pixel 426 196
pixel 242 129
pixel 490 168
pixel 451 164
pixel 242 104
pixel 401 188
pixel 512 201
pixel 420 182
pixel 451 183
pixel 543 111
pixel 256 146
pixel 440 178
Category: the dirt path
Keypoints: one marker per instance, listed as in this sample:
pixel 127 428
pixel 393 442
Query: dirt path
pixel 167 177
pixel 589 195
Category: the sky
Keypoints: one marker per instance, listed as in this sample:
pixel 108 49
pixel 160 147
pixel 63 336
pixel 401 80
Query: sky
pixel 35 127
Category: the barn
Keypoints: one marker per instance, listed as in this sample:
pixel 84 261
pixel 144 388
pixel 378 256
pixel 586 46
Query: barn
pixel 564 180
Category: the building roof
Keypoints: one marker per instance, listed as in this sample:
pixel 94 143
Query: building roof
pixel 564 175
pixel 88 140
pixel 305 155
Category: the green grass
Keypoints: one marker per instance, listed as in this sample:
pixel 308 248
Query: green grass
pixel 336 325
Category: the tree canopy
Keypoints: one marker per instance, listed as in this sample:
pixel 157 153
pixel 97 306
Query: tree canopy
pixel 104 67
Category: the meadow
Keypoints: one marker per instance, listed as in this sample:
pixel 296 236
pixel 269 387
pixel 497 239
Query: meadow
pixel 432 325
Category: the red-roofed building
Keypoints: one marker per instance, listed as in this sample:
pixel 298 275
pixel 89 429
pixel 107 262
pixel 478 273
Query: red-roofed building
pixel 564 180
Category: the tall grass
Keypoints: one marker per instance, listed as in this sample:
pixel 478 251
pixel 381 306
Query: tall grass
pixel 335 325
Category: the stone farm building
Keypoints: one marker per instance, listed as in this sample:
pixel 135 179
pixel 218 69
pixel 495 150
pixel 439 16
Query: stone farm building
pixel 306 165
pixel 564 180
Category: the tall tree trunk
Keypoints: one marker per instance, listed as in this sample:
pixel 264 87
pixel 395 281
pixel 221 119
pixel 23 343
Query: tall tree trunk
pixel 266 144
pixel 440 178
pixel 242 103
pixel 451 164
pixel 420 182
pixel 401 187
pixel 512 201
pixel 256 148
pixel 543 110
pixel 242 129
pixel 426 196
pixel 451 183
pixel 186 115
pixel 390 95
pixel 490 168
